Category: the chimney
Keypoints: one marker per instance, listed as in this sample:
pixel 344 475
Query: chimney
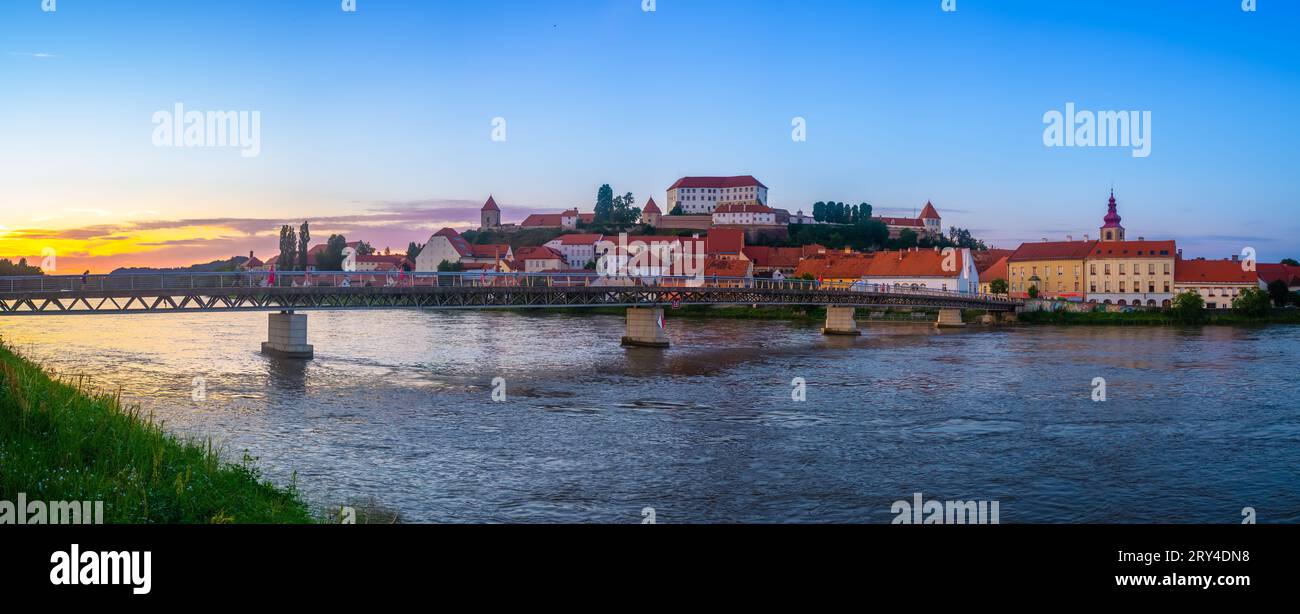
pixel 1085 238
pixel 1069 237
pixel 1180 253
pixel 1044 239
pixel 1234 257
pixel 250 254
pixel 1142 238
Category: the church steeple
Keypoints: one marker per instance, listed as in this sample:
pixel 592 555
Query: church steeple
pixel 1111 230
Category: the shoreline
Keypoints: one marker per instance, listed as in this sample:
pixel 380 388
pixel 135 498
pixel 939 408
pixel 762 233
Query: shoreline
pixel 62 442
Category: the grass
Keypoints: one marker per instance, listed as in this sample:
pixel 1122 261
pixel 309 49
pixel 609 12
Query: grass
pixel 1157 318
pixel 62 442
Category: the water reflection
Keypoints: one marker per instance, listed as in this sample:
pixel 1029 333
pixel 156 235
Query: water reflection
pixel 397 405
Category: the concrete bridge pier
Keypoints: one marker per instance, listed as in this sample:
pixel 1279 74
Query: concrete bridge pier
pixel 286 336
pixel 839 321
pixel 949 318
pixel 644 329
pixel 1007 317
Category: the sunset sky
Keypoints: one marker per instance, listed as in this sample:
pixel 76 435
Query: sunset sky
pixel 377 124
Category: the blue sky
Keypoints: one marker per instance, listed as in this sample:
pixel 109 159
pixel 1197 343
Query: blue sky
pixel 390 108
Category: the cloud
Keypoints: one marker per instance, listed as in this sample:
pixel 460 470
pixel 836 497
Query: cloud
pixel 37 55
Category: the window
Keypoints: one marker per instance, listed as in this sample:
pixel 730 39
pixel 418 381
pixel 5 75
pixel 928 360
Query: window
pixel 1166 286
pixel 1060 270
pixel 1121 268
pixel 1092 269
pixel 1151 269
pixel 1108 268
pixel 1166 268
pixel 1121 285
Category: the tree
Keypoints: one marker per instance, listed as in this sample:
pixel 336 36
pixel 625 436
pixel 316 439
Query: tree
pixel 1188 307
pixel 1290 261
pixel 1278 291
pixel 625 211
pixel 332 258
pixel 677 210
pixel 998 286
pixel 413 250
pixel 288 248
pixel 907 238
pixel 364 249
pixel 864 210
pixel 819 211
pixel 1252 302
pixel 8 268
pixel 304 246
pixel 604 211
pixel 1033 291
pixel 450 267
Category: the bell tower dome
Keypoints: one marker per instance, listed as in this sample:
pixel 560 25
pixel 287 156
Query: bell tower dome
pixel 1111 230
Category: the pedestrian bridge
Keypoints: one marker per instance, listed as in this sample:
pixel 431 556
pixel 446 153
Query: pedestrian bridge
pixel 291 292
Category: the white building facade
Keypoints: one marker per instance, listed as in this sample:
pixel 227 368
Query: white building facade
pixel 701 195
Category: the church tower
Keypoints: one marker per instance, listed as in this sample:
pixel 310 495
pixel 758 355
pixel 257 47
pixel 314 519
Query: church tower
pixel 1111 230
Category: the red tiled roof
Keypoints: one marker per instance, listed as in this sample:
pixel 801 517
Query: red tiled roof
pixel 1052 250
pixel 1133 249
pixel 447 232
pixel 538 253
pixel 490 205
pixel 719 267
pixel 491 250
pixel 915 263
pixel 834 265
pixel 1288 273
pixel 929 213
pixel 989 257
pixel 543 219
pixel 774 257
pixel 1213 271
pixel 651 207
pixel 902 221
pixel 739 181
pixel 724 241
pixel 997 270
pixel 393 259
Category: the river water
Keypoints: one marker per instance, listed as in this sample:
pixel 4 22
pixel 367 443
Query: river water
pixel 1197 423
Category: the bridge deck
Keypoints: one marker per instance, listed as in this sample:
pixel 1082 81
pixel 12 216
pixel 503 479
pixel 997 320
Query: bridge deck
pixel 171 293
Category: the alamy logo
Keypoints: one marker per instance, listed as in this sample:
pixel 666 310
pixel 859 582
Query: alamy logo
pixel 51 512
pixel 933 511
pixel 1100 129
pixel 99 568
pixel 636 258
pixel 181 128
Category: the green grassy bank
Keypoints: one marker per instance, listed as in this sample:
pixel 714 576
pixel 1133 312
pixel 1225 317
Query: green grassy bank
pixel 61 442
pixel 1159 318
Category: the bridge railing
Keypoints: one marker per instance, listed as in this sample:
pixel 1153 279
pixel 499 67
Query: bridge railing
pixel 180 281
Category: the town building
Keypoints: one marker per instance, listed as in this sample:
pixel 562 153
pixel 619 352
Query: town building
pixel 567 220
pixel 1056 268
pixel 383 263
pixel 538 259
pixel 749 213
pixel 701 195
pixel 1132 272
pixel 951 270
pixel 1289 274
pixel 725 244
pixel 995 270
pixel 448 245
pixel 928 223
pixel 1217 281
pixel 578 250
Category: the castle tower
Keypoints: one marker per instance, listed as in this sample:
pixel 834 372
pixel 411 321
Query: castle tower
pixel 490 214
pixel 930 218
pixel 1112 230
pixel 650 215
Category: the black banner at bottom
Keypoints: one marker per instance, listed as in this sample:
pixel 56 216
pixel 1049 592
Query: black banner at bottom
pixel 162 564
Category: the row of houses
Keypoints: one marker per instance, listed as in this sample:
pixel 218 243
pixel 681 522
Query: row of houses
pixel 1115 271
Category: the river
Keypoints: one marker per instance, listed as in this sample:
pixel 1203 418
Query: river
pixel 1197 424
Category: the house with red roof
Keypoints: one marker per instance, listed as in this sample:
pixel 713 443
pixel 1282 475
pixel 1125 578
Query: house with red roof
pixel 567 220
pixel 995 270
pixel 768 260
pixel 1289 274
pixel 650 214
pixel 701 195
pixel 450 246
pixel 1217 281
pixel 578 250
pixel 538 259
pixel 927 223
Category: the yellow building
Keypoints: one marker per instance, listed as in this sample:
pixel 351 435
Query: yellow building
pixel 1056 268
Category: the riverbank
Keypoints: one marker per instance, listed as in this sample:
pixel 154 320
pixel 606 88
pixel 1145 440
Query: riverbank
pixel 62 442
pixel 1157 318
